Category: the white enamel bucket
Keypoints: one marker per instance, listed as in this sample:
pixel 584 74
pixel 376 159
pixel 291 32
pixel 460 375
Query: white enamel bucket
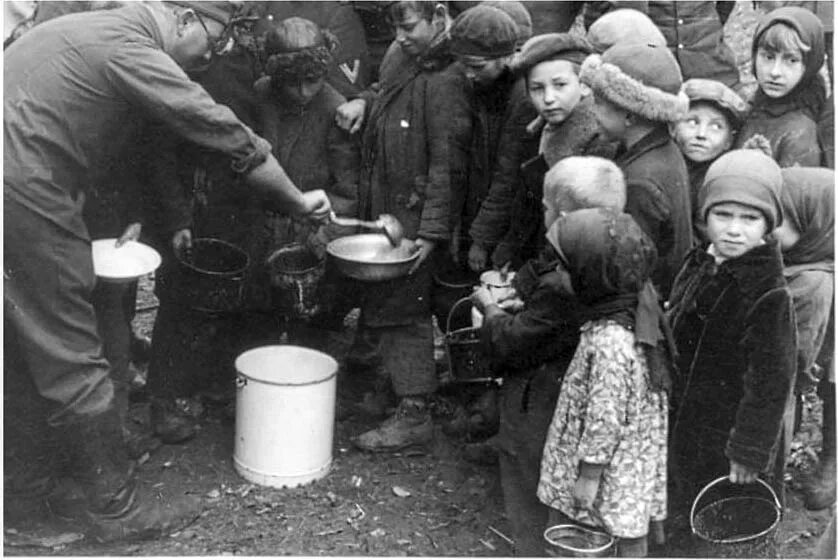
pixel 285 413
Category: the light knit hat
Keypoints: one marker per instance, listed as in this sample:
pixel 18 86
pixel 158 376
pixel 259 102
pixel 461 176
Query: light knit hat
pixel 643 79
pixel 624 26
pixel 746 177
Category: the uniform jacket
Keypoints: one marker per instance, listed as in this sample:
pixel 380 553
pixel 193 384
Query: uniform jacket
pixel 658 198
pixel 734 328
pixel 99 76
pixel 410 144
pixel 693 32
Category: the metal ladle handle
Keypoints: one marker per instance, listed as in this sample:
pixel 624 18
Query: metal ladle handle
pixel 352 222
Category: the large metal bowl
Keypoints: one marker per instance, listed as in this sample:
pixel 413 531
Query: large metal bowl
pixel 370 257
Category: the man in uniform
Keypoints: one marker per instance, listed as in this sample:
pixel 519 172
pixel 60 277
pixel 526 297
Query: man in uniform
pixel 76 91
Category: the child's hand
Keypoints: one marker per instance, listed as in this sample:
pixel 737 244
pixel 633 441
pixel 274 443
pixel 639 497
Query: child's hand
pixel 585 491
pixel 740 474
pixel 481 298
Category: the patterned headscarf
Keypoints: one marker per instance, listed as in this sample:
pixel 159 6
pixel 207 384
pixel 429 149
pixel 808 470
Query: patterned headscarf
pixel 808 200
pixel 610 261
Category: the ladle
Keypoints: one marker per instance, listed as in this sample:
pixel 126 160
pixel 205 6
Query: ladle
pixel 386 223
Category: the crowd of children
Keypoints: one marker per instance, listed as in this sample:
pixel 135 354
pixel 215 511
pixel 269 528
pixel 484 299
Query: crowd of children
pixel 672 241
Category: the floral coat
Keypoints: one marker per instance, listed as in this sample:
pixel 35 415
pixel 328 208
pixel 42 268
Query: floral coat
pixel 607 415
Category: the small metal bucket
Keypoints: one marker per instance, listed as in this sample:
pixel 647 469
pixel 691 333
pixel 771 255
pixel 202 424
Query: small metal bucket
pixel 738 526
pixel 296 273
pixel 568 540
pixel 211 277
pixel 466 360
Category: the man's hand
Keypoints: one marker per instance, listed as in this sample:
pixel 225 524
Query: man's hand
pixel 350 115
pixel 477 257
pixel 424 247
pixel 740 474
pixel 131 233
pixel 316 206
pixel 182 242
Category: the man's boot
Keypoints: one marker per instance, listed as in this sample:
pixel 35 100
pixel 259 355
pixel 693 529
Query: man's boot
pixel 410 425
pixel 117 507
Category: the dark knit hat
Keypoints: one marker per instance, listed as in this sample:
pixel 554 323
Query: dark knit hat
pixel 519 14
pixel 643 79
pixel 624 26
pixel 221 11
pixel 746 177
pixel 715 92
pixel 551 46
pixel 483 31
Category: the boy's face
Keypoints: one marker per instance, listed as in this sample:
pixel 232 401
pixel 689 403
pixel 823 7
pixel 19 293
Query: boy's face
pixel 302 91
pixel 734 229
pixel 414 33
pixel 611 118
pixel 778 72
pixel 704 134
pixel 482 71
pixel 555 89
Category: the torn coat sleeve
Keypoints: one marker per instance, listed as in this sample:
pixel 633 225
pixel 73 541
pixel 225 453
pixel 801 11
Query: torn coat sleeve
pixel 148 78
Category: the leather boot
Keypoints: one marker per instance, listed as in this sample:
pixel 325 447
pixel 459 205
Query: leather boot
pixel 409 426
pixel 169 424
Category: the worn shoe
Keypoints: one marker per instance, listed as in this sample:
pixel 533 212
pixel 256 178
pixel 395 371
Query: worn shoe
pixel 819 493
pixel 148 514
pixel 409 426
pixel 140 348
pixel 169 424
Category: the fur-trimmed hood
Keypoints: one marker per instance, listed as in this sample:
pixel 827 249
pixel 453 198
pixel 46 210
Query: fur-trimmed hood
pixel 655 97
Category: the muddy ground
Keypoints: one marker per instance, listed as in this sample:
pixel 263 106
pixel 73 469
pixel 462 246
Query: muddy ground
pixel 431 503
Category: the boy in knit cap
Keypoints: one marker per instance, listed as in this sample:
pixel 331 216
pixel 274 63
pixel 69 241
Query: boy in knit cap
pixel 509 221
pixel 636 93
pixel 733 324
pixel 533 347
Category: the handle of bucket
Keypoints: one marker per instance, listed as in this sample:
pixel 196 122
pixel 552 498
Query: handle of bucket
pixel 454 307
pixel 721 479
pixel 241 381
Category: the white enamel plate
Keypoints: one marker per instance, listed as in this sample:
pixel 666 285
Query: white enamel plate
pixel 123 264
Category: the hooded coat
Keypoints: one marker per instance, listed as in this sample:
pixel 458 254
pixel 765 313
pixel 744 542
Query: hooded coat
pixel 790 122
pixel 733 325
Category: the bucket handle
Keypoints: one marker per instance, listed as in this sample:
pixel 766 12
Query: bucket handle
pixel 241 381
pixel 721 479
pixel 454 307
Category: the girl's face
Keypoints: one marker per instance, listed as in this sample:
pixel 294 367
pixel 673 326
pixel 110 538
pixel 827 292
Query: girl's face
pixel 414 33
pixel 555 89
pixel 612 119
pixel 302 91
pixel 787 235
pixel 778 72
pixel 704 134
pixel 734 229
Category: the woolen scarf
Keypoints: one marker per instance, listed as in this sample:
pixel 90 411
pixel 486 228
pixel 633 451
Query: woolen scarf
pixel 808 200
pixel 610 261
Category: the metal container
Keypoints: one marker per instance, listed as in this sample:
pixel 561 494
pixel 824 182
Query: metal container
pixel 210 277
pixel 296 273
pixel 370 257
pixel 573 541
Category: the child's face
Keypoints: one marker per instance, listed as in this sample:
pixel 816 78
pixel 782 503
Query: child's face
pixel 414 33
pixel 482 71
pixel 787 235
pixel 302 91
pixel 611 118
pixel 555 89
pixel 778 72
pixel 734 229
pixel 704 134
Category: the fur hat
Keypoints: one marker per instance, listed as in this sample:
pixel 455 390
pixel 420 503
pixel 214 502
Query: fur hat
pixel 746 177
pixel 715 92
pixel 551 46
pixel 483 31
pixel 624 26
pixel 296 48
pixel 519 14
pixel 643 79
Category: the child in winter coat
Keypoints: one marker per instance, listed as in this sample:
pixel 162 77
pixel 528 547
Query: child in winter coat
pixel 532 348
pixel 637 91
pixel 706 132
pixel 806 238
pixel 733 323
pixel 604 461
pixel 788 52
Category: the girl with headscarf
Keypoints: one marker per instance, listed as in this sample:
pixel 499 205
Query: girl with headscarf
pixel 604 461
pixel 787 55
pixel 806 238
